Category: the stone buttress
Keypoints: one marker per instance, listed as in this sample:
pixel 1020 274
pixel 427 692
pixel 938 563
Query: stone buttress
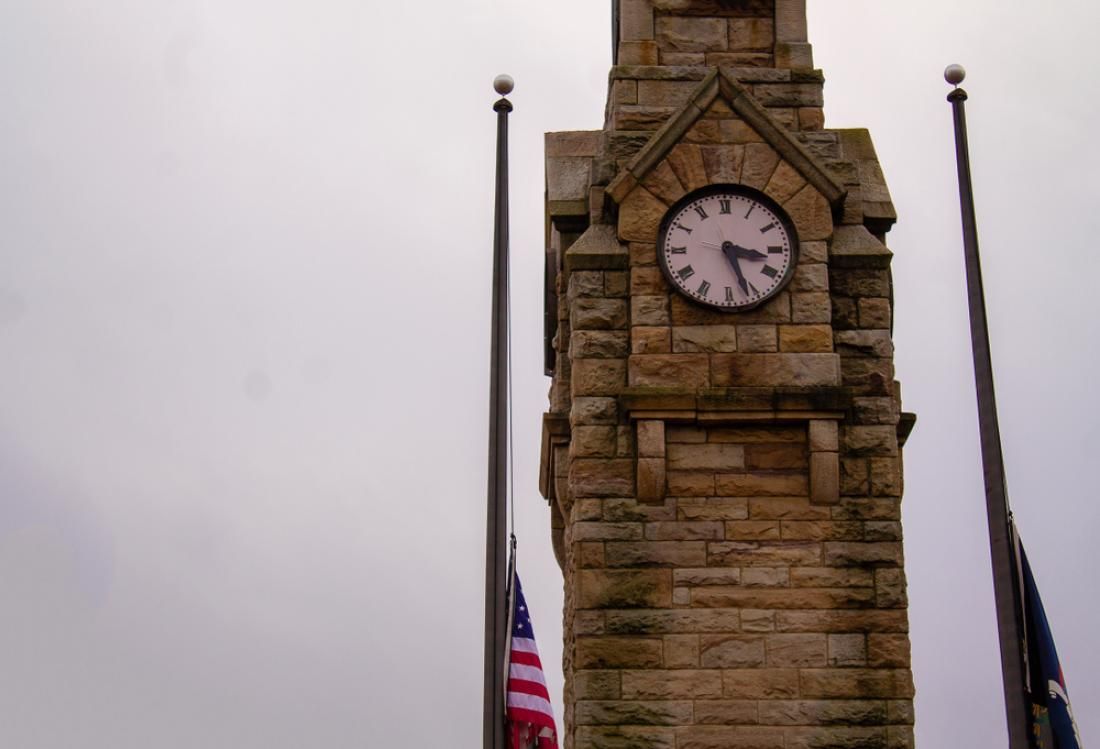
pixel 725 486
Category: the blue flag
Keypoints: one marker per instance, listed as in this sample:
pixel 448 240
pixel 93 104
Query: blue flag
pixel 1052 723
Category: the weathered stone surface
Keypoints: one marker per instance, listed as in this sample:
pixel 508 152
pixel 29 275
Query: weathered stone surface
pixel 757 338
pixel 651 438
pixel 597 314
pixel 775 456
pixel 645 340
pixel 855 683
pixel 640 215
pixel 685 312
pixel 761 485
pixel 674 621
pixel 751 33
pixel 752 530
pixel 594 441
pixel 672 684
pixel 616 283
pixel 823 436
pixel 684 34
pixel 824 478
pixel 681 651
pixel 888 650
pixel 656 554
pixel 663 93
pixel 687 457
pixel 839 553
pixel 767 553
pixel 871 440
pixel 649 310
pixel 794 598
pixel 596 531
pixel 700 530
pixel 725 712
pixel 765 577
pixel 723 163
pixel 712 508
pixel 623 589
pixel 596 685
pixel 784 183
pixel 589 410
pixel 663 182
pixel 635 20
pixel 786 508
pixel 691 483
pixel 890 588
pixel 596 477
pixel 823 712
pixel 864 343
pixel 760 163
pixel 644 52
pixel 869 620
pixel 731 651
pixel 704 339
pixel 810 277
pixel 832 577
pixel 811 214
pixel 617 652
pixel 760 683
pixel 848 650
pixel 811 307
pixel 642 713
pixel 598 377
pixel 789 94
pixel 805 338
pixel 875 313
pixel 836 736
pixel 673 370
pixel 741 370
pixel 624 737
pixel 796 651
pixel 585 283
pixel 821 530
pixel 861 283
pixel 599 344
pixel 707 576
pixel 687 162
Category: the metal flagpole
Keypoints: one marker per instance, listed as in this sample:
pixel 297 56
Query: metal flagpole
pixel 1005 590
pixel 495 534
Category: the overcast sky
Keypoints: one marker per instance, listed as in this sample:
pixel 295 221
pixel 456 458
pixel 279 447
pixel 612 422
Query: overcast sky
pixel 244 295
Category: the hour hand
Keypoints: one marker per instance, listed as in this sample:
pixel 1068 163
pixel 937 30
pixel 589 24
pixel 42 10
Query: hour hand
pixel 748 254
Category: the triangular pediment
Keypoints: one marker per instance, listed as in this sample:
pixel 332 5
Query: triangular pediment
pixel 720 83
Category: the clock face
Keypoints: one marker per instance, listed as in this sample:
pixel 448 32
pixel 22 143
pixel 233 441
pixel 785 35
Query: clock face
pixel 727 247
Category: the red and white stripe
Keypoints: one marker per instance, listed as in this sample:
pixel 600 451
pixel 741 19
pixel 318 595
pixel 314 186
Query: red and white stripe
pixel 529 710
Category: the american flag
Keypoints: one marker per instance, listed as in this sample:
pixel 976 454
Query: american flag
pixel 530 718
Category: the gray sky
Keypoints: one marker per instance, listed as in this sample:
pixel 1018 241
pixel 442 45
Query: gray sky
pixel 244 271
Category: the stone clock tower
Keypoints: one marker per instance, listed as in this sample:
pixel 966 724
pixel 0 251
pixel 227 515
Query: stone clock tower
pixel 722 451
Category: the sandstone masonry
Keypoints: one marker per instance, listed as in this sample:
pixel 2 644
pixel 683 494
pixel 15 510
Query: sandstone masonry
pixel 725 488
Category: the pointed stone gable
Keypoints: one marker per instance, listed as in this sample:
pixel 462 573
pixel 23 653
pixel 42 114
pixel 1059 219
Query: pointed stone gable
pixel 721 111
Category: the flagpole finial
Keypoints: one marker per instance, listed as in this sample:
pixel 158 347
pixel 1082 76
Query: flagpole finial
pixel 503 84
pixel 954 74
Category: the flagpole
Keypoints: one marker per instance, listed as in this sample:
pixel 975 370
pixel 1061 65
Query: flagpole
pixel 1005 590
pixel 496 522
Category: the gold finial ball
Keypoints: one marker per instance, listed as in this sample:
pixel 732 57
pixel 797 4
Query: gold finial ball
pixel 954 74
pixel 503 84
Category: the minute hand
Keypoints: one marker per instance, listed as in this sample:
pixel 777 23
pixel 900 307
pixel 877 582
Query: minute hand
pixel 730 251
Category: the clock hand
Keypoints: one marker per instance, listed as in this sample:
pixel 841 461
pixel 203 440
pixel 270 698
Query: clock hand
pixel 730 251
pixel 749 254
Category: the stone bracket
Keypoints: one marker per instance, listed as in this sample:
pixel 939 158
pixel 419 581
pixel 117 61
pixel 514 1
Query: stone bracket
pixel 824 461
pixel 651 468
pixel 555 434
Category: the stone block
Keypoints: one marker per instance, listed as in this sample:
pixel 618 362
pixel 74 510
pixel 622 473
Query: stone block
pixel 598 314
pixel 649 311
pixel 596 477
pixel 596 685
pixel 764 553
pixel 812 216
pixel 874 312
pixel 656 554
pixel 652 479
pixel 805 338
pixel 789 94
pixel 870 508
pixel 824 478
pixel 585 283
pixel 596 531
pixel 640 216
pixel 882 530
pixel 786 508
pixel 651 438
pixel 639 713
pixel 663 182
pixel 682 433
pixel 840 553
pixel 757 339
pixel 855 683
pixel 811 307
pixel 593 441
pixel 715 457
pixel 589 555
pixel 623 589
pixel 864 343
pixel 886 480
pixel 811 118
pixel 669 370
pixel 617 652
pixel 771 370
pixel 878 440
pixel 796 651
pixel 686 162
pixel 790 20
pixel 890 588
pixel 599 344
pixel 836 736
pixel 723 163
pixel 784 183
pixel 869 620
pixel 690 483
pixel 760 163
pixel 784 456
pixel 685 312
pixel 673 684
pixel 598 377
pixel 712 508
pixel 683 58
pixel 848 650
pixel 888 650
pixel 731 651
pixel 823 712
pixel 755 620
pixel 707 576
pixel 813 252
pixel 751 34
pixel 752 530
pixel 821 530
pixel 761 485
pixel 645 52
pixel 760 684
pixel 635 20
pixel 765 577
pixel 657 93
pixel 880 410
pixel 681 651
pixel 642 253
pixel 645 340
pixel 701 530
pixel 832 577
pixel 674 621
pixel 590 410
pixel 616 283
pixel 724 713
pixel 823 436
pixel 622 737
pixel 794 598
pixel 704 339
pixel 811 277
pixel 687 34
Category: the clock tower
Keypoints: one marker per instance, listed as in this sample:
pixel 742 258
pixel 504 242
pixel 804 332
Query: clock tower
pixel 722 450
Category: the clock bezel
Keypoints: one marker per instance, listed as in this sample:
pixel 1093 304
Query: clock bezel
pixel 743 191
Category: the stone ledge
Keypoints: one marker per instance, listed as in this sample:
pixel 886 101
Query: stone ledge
pixel 753 404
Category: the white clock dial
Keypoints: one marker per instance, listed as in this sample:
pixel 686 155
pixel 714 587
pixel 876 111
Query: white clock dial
pixel 727 247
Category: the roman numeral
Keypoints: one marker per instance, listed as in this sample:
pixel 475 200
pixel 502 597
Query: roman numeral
pixel 751 209
pixel 769 271
pixel 724 206
pixel 704 288
pixel 766 229
pixel 679 250
pixel 775 250
pixel 754 289
pixel 681 226
pixel 701 212
pixel 729 293
pixel 686 272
